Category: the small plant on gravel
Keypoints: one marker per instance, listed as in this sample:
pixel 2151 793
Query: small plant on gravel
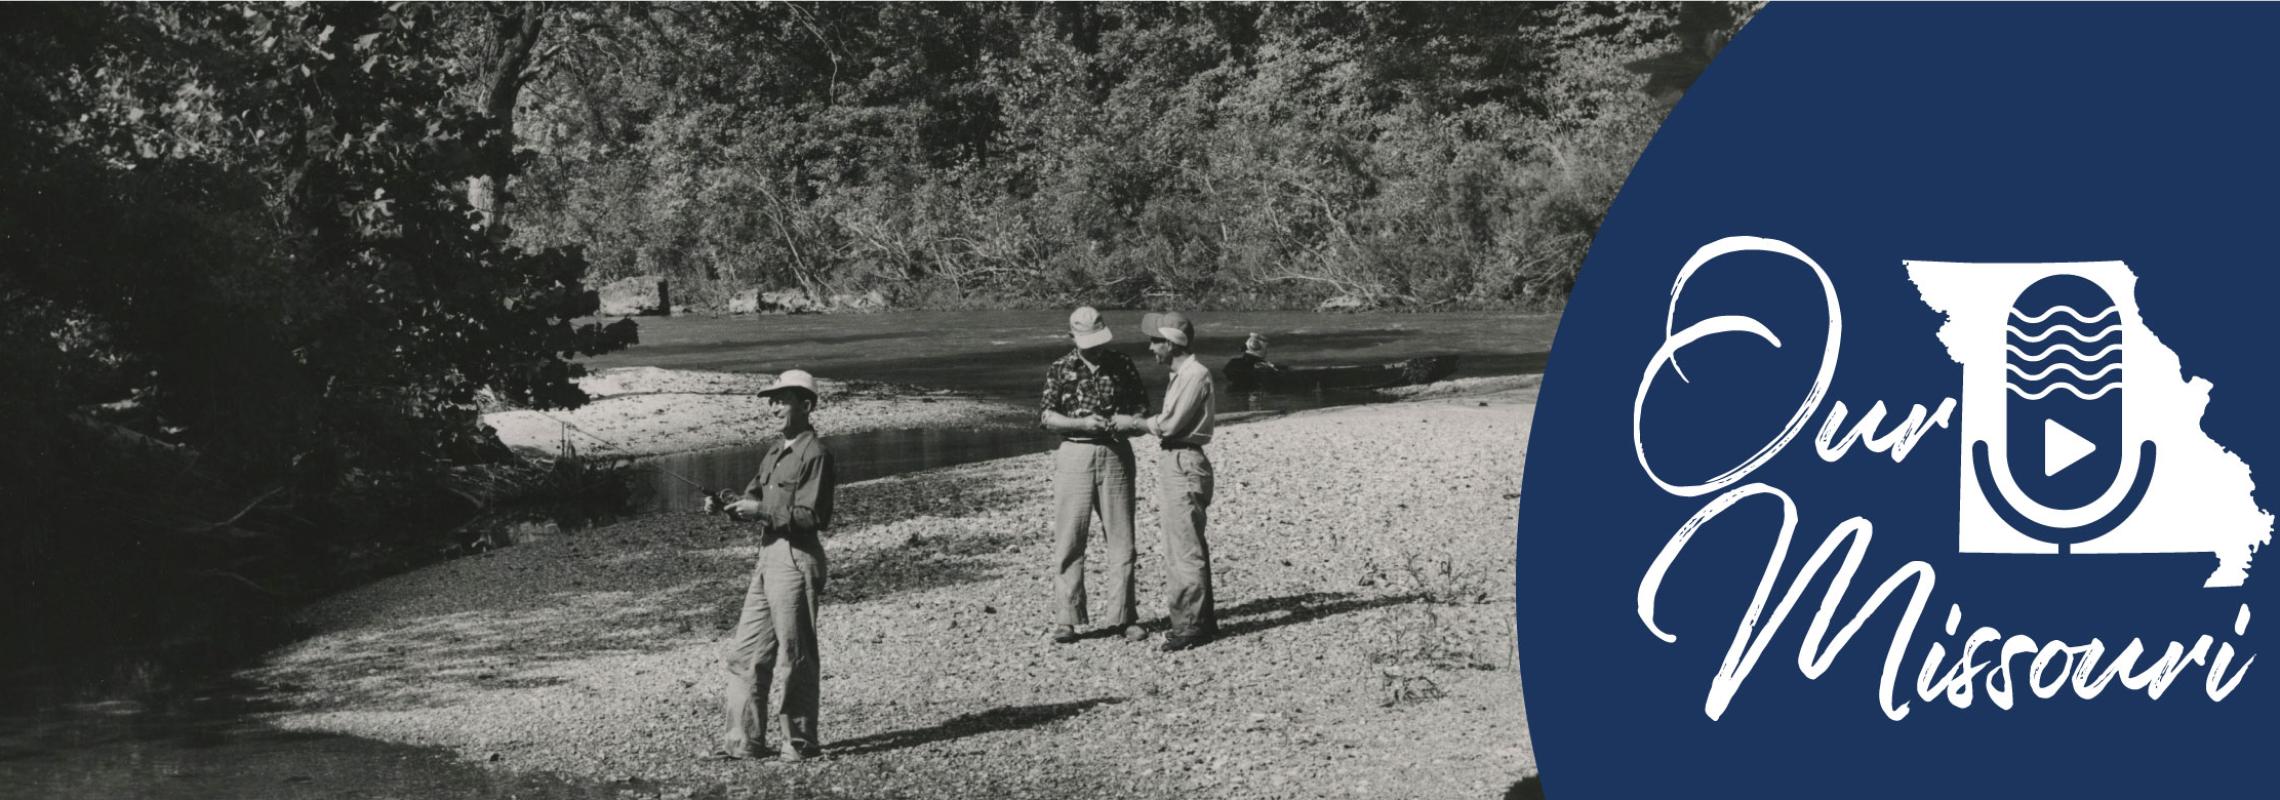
pixel 1420 636
pixel 1447 580
pixel 1400 688
pixel 1418 644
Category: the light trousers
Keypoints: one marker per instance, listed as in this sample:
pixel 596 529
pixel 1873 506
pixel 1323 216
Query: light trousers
pixel 1183 495
pixel 1088 479
pixel 779 616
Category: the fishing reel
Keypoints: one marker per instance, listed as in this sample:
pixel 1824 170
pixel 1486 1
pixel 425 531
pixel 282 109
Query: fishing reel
pixel 717 502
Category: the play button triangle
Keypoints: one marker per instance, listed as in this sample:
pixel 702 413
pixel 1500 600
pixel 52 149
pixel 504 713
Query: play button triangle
pixel 2062 447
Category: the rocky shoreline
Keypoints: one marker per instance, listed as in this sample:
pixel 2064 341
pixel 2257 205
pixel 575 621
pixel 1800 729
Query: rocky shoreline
pixel 1364 566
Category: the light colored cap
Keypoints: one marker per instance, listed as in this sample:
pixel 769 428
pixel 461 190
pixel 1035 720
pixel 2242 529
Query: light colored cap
pixel 1170 325
pixel 793 379
pixel 1086 326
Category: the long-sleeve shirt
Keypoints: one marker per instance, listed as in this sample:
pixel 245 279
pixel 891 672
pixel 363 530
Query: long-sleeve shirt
pixel 794 486
pixel 1187 414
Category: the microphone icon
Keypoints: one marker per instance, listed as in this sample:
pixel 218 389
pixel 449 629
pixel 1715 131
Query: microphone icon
pixel 2063 397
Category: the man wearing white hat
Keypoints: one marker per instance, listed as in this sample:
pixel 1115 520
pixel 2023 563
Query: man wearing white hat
pixel 1184 478
pixel 1089 393
pixel 791 498
pixel 1251 370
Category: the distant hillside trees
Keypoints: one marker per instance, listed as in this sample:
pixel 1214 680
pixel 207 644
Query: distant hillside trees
pixel 1418 155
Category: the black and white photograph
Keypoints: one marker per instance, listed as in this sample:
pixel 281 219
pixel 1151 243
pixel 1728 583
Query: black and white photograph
pixel 789 400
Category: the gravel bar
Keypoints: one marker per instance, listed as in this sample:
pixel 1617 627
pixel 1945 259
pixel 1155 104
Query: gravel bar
pixel 1364 580
pixel 647 411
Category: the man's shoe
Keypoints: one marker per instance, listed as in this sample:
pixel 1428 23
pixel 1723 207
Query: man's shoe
pixel 736 753
pixel 1174 644
pixel 1064 634
pixel 1135 633
pixel 795 752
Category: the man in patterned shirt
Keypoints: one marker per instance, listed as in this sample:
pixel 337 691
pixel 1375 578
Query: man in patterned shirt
pixel 1091 394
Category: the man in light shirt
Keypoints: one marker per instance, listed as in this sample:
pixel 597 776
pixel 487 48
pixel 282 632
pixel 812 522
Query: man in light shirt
pixel 1183 477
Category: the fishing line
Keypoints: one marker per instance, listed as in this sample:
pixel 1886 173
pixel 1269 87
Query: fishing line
pixel 707 491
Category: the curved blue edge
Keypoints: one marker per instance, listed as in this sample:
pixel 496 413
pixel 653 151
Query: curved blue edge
pixel 1866 136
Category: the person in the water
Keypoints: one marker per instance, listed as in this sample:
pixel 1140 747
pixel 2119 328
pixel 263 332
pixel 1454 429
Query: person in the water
pixel 1246 372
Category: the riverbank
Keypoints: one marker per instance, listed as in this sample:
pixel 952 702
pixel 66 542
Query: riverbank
pixel 647 411
pixel 1002 355
pixel 1363 560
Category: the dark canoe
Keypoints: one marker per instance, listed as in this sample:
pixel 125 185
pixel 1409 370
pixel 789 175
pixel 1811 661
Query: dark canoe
pixel 1409 372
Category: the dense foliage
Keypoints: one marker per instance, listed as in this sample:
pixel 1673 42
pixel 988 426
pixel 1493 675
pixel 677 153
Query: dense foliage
pixel 989 154
pixel 250 302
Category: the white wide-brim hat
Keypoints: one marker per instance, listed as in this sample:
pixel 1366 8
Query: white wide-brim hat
pixel 793 379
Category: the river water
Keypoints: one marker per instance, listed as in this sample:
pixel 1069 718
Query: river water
pixel 208 741
pixel 666 481
pixel 672 482
pixel 1002 355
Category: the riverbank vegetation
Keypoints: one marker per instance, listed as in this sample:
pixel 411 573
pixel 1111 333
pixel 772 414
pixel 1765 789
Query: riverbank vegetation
pixel 1239 155
pixel 251 308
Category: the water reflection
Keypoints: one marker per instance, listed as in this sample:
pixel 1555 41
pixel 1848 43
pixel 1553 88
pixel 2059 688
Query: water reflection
pixel 671 483
pixel 856 457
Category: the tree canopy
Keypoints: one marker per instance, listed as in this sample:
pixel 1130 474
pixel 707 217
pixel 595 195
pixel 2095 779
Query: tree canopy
pixel 245 280
pixel 995 154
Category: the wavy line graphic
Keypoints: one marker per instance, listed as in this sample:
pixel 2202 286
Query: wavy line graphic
pixel 2076 333
pixel 2077 315
pixel 2044 354
pixel 2063 385
pixel 2078 373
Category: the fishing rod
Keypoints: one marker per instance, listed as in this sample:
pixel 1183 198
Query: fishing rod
pixel 701 488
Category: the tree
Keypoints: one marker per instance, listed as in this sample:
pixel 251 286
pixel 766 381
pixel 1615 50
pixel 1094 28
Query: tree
pixel 507 65
pixel 248 294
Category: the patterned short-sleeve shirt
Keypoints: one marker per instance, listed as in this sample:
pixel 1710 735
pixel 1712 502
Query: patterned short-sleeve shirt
pixel 1110 385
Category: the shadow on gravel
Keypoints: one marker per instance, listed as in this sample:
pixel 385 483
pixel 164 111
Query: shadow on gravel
pixel 518 638
pixel 510 622
pixel 994 720
pixel 1528 788
pixel 1298 608
pixel 926 531
pixel 207 742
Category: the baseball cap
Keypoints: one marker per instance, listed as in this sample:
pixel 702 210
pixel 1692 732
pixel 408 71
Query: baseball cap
pixel 1170 325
